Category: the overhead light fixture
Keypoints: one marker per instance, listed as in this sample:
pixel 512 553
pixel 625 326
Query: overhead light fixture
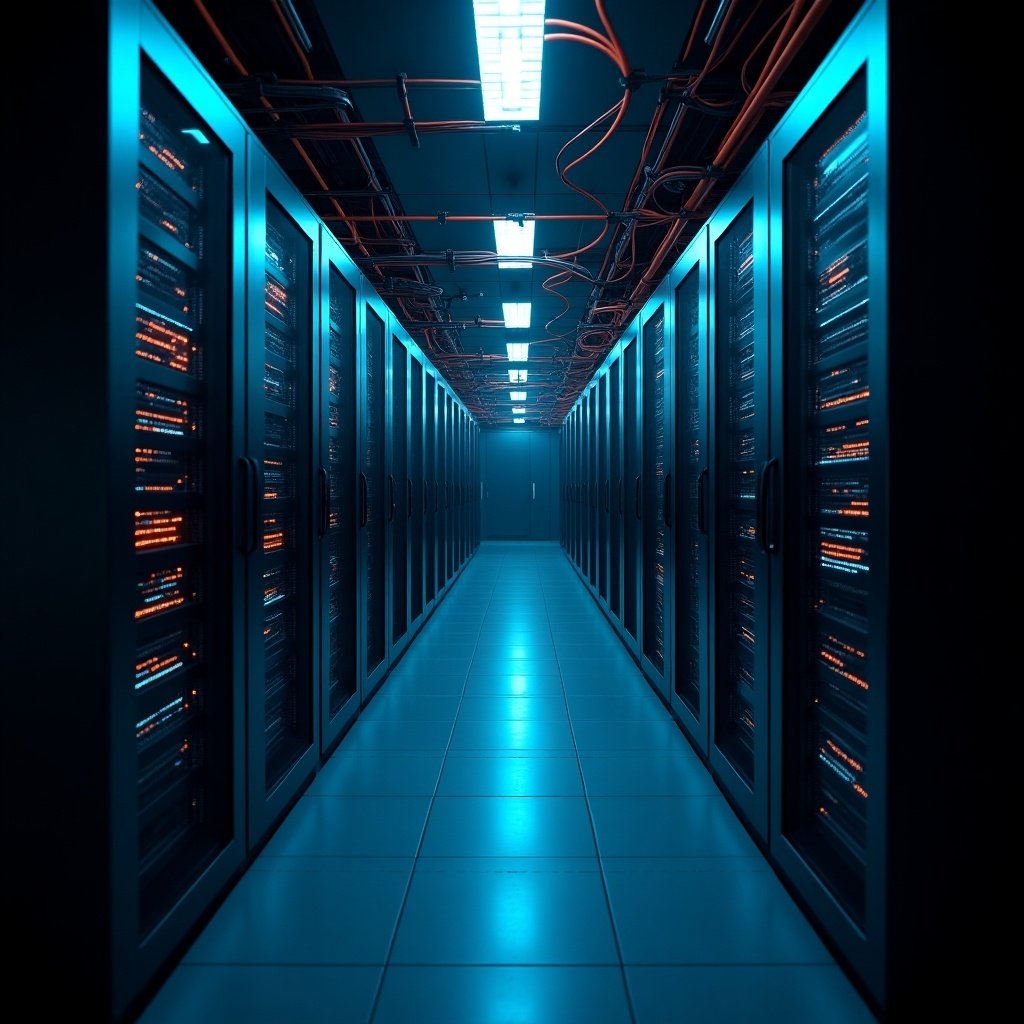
pixel 517 396
pixel 518 410
pixel 517 314
pixel 510 45
pixel 517 376
pixel 198 134
pixel 512 238
pixel 518 351
pixel 518 419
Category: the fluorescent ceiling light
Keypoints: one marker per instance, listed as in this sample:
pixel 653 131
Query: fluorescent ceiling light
pixel 518 419
pixel 198 134
pixel 517 396
pixel 517 376
pixel 517 314
pixel 510 45
pixel 518 410
pixel 518 351
pixel 514 239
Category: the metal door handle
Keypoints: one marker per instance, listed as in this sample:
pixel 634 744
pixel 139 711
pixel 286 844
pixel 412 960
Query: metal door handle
pixel 607 495
pixel 391 498
pixel 426 496
pixel 534 486
pixel 765 538
pixel 249 504
pixel 702 480
pixel 637 499
pixel 325 501
pixel 668 500
pixel 364 500
pixel 621 506
pixel 408 498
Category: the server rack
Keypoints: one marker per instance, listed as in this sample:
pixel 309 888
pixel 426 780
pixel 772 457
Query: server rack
pixel 460 476
pixel 373 497
pixel 655 494
pixel 442 488
pixel 689 283
pixel 615 531
pixel 123 753
pixel 282 677
pixel 398 520
pixel 592 486
pixel 742 471
pixel 431 491
pixel 631 497
pixel 604 488
pixel 883 850
pixel 417 490
pixel 337 414
pixel 449 487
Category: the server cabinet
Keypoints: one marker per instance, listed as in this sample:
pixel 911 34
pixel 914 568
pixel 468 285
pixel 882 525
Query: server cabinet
pixel 656 460
pixel 337 413
pixel 592 484
pixel 398 520
pixel 862 826
pixel 743 471
pixel 283 725
pixel 578 423
pixel 603 487
pixel 124 817
pixel 373 491
pixel 417 491
pixel 430 491
pixel 460 477
pixel 631 465
pixel 449 487
pixel 615 483
pixel 441 490
pixel 689 284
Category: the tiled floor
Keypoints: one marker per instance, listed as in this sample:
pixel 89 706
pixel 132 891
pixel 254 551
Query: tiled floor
pixel 513 832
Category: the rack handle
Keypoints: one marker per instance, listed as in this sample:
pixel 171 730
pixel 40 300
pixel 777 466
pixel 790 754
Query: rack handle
pixel 636 500
pixel 668 500
pixel 364 500
pixel 621 507
pixel 437 493
pixel 702 505
pixel 426 496
pixel 765 535
pixel 249 504
pixel 325 501
pixel 391 498
pixel 607 495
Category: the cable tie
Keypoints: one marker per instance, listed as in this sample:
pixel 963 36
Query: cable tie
pixel 450 256
pixel 633 80
pixel 442 217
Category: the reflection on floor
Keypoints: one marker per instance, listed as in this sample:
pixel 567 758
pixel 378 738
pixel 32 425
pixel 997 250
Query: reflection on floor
pixel 514 832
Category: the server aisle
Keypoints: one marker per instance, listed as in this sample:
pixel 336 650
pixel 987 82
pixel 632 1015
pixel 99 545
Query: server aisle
pixel 516 830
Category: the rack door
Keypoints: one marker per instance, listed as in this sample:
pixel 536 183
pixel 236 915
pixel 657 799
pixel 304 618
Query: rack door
pixel 743 472
pixel 337 493
pixel 655 495
pixel 283 727
pixel 373 495
pixel 631 482
pixel 829 187
pixel 397 492
pixel 615 485
pixel 592 484
pixel 689 282
pixel 430 490
pixel 417 496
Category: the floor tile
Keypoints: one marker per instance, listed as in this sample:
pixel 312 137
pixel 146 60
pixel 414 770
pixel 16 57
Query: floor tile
pixel 393 734
pixel 629 707
pixel 411 707
pixel 518 911
pixel 517 684
pixel 512 708
pixel 668 826
pixel 508 826
pixel 466 774
pixel 592 737
pixel 268 994
pixel 308 910
pixel 353 772
pixel 503 995
pixel 351 826
pixel 512 735
pixel 632 773
pixel 698 910
pixel 739 995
